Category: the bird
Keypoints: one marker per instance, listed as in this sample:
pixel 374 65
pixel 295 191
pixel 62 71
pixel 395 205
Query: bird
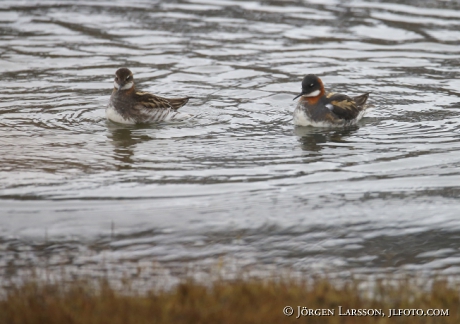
pixel 129 106
pixel 319 108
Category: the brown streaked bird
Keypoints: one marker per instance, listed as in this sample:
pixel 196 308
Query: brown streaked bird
pixel 129 106
pixel 318 108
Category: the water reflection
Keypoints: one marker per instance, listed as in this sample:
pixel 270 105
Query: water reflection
pixel 311 139
pixel 124 140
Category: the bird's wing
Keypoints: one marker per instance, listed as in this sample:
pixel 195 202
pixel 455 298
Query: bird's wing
pixel 342 106
pixel 151 101
pixel 361 100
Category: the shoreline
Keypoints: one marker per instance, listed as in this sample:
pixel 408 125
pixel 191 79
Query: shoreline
pixel 233 301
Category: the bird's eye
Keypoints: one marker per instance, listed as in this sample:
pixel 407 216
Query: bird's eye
pixel 116 78
pixel 311 85
pixel 127 78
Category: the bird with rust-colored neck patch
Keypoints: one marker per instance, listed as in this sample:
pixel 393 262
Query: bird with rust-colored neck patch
pixel 129 106
pixel 319 108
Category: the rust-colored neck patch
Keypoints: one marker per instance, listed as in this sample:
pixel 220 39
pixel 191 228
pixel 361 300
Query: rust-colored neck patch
pixel 128 92
pixel 314 100
pixel 131 91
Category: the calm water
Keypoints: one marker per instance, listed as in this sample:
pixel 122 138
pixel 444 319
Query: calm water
pixel 238 185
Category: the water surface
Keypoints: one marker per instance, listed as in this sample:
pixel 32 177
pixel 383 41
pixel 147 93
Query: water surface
pixel 239 183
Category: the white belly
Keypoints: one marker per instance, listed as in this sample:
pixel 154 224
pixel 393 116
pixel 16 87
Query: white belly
pixel 114 116
pixel 301 118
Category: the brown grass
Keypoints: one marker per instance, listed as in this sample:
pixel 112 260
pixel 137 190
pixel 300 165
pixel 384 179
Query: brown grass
pixel 241 301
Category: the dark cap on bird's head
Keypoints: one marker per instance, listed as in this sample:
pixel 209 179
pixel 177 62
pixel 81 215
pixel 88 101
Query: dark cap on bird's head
pixel 124 79
pixel 312 86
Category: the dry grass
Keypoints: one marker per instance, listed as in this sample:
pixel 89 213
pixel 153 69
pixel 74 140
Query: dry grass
pixel 240 301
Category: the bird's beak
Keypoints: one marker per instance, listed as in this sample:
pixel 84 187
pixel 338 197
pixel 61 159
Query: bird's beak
pixel 119 88
pixel 298 96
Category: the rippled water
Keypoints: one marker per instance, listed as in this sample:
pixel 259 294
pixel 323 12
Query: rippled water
pixel 239 182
